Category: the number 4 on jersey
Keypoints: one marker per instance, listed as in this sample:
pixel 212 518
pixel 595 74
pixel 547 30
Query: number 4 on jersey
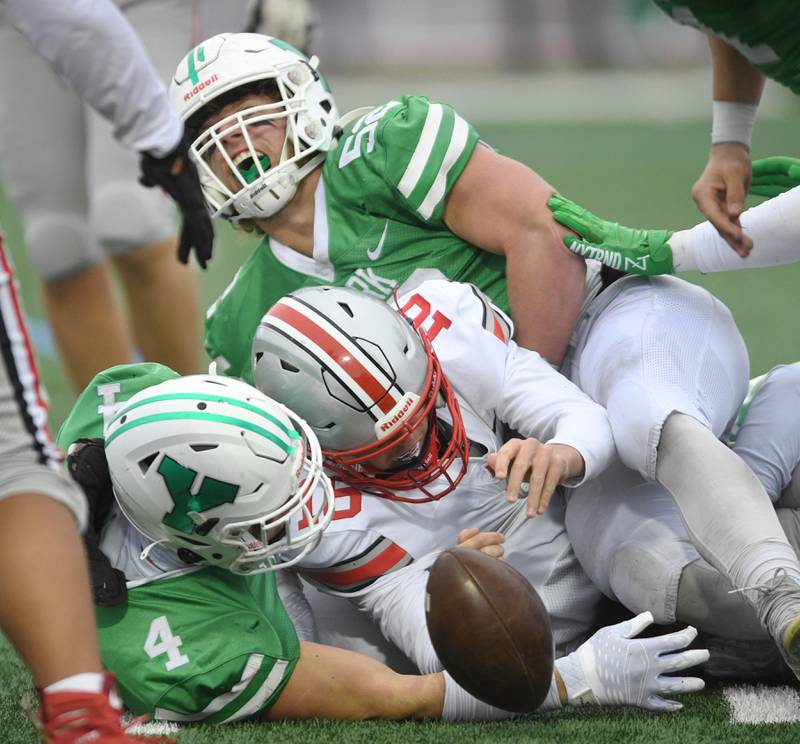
pixel 161 641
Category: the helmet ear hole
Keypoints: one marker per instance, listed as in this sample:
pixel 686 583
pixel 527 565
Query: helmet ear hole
pixel 146 462
pixel 203 447
pixel 206 527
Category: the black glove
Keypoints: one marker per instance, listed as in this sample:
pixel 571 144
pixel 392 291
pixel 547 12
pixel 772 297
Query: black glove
pixel 86 461
pixel 177 175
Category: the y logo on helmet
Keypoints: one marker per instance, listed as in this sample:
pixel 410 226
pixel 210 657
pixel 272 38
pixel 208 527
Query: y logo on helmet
pixel 178 480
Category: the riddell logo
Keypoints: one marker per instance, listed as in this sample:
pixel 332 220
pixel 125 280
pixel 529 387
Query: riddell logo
pixel 398 415
pixel 200 86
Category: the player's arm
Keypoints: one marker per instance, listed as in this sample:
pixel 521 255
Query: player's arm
pixel 334 684
pixel 771 225
pixel 111 71
pixel 721 189
pixel 500 205
pixel 93 48
pixel 569 437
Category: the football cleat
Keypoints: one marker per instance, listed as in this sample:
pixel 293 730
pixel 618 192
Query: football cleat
pixel 778 605
pixel 85 717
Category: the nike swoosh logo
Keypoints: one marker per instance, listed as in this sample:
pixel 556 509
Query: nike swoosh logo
pixel 375 253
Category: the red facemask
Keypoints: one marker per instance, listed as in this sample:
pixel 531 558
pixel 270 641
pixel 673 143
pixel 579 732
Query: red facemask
pixel 430 465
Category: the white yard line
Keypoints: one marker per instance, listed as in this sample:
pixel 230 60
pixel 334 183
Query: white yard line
pixel 761 704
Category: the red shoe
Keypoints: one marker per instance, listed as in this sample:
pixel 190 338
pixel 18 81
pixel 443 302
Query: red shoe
pixel 87 718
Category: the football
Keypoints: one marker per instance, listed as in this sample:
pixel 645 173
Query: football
pixel 490 629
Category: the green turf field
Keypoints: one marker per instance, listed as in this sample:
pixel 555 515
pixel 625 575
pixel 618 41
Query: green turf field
pixel 639 174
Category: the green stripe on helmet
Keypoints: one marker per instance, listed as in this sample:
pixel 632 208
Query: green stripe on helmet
pixel 291 433
pixel 287 447
pixel 192 70
pixel 284 45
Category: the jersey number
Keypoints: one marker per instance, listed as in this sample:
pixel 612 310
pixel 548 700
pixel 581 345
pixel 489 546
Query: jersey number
pixel 418 310
pixel 364 128
pixel 347 503
pixel 161 641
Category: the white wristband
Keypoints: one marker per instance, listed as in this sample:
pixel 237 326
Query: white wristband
pixel 733 122
pixel 459 705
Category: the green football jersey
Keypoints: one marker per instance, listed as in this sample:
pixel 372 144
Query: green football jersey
pixel 766 32
pixel 206 646
pixel 378 223
pixel 100 401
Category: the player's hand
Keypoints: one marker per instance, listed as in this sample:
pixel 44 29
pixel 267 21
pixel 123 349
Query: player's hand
pixel 615 668
pixel 490 543
pixel 634 251
pixel 534 470
pixel 720 193
pixel 177 175
pixel 773 176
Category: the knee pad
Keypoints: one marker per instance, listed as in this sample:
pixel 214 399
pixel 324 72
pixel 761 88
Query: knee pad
pixel 60 244
pixel 127 216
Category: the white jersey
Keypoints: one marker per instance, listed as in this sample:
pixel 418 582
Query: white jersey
pixel 93 48
pixel 376 549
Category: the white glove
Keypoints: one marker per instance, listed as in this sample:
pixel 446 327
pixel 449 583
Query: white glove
pixel 614 668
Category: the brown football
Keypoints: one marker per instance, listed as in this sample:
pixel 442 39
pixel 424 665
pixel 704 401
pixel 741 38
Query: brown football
pixel 490 629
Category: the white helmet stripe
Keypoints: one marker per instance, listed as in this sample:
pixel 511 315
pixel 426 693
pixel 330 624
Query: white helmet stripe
pixel 365 379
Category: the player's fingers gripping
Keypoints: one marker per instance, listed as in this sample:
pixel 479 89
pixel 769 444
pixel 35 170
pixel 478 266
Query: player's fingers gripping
pixel 499 461
pixel 555 475
pixel 542 463
pixel 713 207
pixel 522 478
pixel 576 218
pixel 736 192
pixel 490 543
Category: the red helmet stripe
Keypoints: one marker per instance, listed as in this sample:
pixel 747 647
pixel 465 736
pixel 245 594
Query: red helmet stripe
pixel 342 356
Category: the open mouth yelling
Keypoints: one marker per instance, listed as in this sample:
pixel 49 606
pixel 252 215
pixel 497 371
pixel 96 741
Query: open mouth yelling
pixel 249 168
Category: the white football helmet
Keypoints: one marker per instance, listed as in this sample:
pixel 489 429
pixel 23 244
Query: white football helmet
pixel 229 61
pixel 212 466
pixel 365 381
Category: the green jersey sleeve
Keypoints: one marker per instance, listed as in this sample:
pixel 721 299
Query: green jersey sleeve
pixel 416 148
pixel 232 319
pixel 103 396
pixel 765 32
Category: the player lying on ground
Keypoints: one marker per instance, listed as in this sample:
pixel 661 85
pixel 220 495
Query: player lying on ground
pixel 629 536
pixel 204 467
pixel 772 226
pixel 411 424
pixel 405 191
